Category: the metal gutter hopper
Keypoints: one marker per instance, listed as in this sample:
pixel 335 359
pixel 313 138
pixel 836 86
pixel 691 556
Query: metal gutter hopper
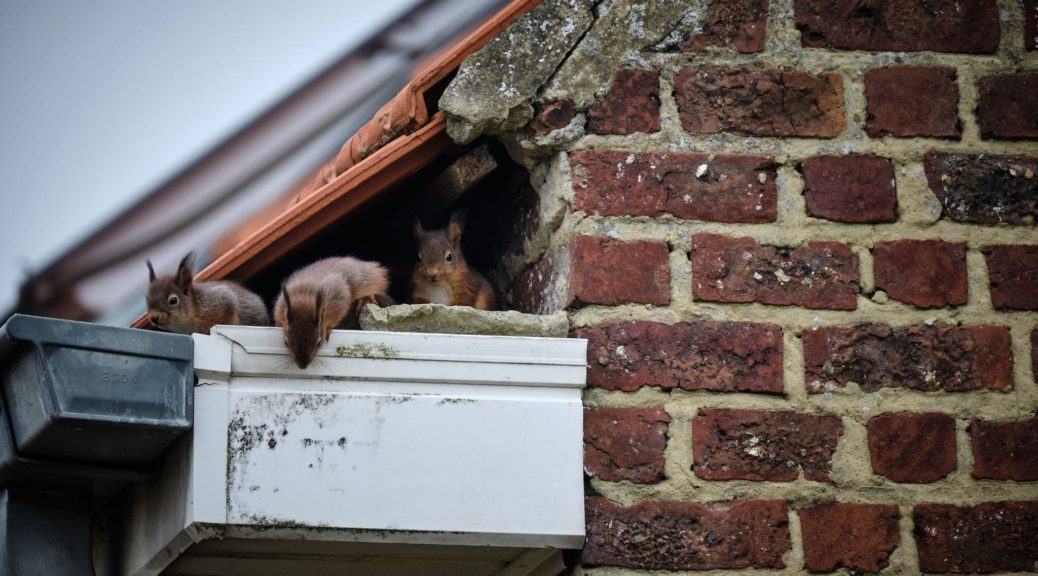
pixel 84 409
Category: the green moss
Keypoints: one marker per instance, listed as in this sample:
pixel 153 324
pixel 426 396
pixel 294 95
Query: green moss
pixel 367 351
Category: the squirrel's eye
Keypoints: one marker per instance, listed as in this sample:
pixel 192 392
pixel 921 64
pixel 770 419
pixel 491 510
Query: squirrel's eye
pixel 173 300
pixel 450 257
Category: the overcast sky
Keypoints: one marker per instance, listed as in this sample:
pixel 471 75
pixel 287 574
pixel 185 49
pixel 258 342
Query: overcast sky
pixel 101 100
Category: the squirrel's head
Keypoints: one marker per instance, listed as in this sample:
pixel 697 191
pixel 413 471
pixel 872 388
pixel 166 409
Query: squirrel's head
pixel 304 331
pixel 439 251
pixel 170 298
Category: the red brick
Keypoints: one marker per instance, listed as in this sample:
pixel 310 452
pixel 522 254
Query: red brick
pixel 670 535
pixel 1005 450
pixel 551 116
pixel 899 25
pixel 988 537
pixel 923 273
pixel 1009 106
pixel 859 537
pixel 939 357
pixel 816 275
pixel 985 188
pixel 632 104
pixel 609 272
pixel 853 189
pixel 908 101
pixel 736 24
pixel 759 101
pixel 532 286
pixel 625 443
pixel 911 447
pixel 1031 24
pixel 1013 276
pixel 719 356
pixel 763 445
pixel 730 188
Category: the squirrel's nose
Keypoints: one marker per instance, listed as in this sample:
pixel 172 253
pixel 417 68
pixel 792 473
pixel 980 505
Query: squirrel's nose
pixel 154 319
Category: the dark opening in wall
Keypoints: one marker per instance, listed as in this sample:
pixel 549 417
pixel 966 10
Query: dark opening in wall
pixel 501 211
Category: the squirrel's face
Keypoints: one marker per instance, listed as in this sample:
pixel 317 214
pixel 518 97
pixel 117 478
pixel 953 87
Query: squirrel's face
pixel 439 253
pixel 169 298
pixel 303 333
pixel 168 306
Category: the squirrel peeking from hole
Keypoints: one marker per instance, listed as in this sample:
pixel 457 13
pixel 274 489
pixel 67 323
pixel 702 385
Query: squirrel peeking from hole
pixel 441 275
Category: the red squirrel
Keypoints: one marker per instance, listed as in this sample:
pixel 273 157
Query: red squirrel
pixel 317 298
pixel 176 303
pixel 441 275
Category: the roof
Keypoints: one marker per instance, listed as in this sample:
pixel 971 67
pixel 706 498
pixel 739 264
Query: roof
pixel 405 135
pixel 258 172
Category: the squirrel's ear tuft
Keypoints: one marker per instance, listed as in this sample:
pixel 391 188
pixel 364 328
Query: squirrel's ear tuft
pixel 419 232
pixel 456 226
pixel 185 274
pixel 188 261
pixel 151 271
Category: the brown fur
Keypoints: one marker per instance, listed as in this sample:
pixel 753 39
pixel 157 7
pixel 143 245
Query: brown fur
pixel 316 299
pixel 442 275
pixel 176 303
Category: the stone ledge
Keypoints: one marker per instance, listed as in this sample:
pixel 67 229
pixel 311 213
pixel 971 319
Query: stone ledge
pixel 462 320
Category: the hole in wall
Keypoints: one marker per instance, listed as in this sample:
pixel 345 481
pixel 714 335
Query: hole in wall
pixel 502 211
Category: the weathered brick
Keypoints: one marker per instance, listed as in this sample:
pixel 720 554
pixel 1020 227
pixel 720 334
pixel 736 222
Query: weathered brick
pixel 923 273
pixel 1034 354
pixel 720 356
pixel 609 272
pixel 1013 276
pixel 988 537
pixel 759 101
pixel 531 292
pixel 551 116
pixel 859 537
pixel 899 25
pixel 815 275
pixel 1005 450
pixel 986 188
pixel 736 24
pixel 763 445
pixel 670 535
pixel 693 186
pixel 939 357
pixel 631 105
pixel 625 443
pixel 912 447
pixel 1009 106
pixel 853 189
pixel 906 101
pixel 1031 24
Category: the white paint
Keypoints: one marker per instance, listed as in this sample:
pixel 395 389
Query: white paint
pixel 388 437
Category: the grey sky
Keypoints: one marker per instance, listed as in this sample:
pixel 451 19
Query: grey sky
pixel 102 100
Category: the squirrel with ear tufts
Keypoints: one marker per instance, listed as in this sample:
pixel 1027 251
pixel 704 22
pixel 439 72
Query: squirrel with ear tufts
pixel 176 303
pixel 442 276
pixel 316 299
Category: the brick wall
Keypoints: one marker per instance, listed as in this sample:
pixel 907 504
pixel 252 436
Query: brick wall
pixel 802 246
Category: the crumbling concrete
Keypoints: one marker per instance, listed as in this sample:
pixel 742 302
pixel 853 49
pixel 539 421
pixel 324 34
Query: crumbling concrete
pixel 462 320
pixel 493 88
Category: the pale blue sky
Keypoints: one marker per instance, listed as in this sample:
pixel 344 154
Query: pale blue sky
pixel 101 100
